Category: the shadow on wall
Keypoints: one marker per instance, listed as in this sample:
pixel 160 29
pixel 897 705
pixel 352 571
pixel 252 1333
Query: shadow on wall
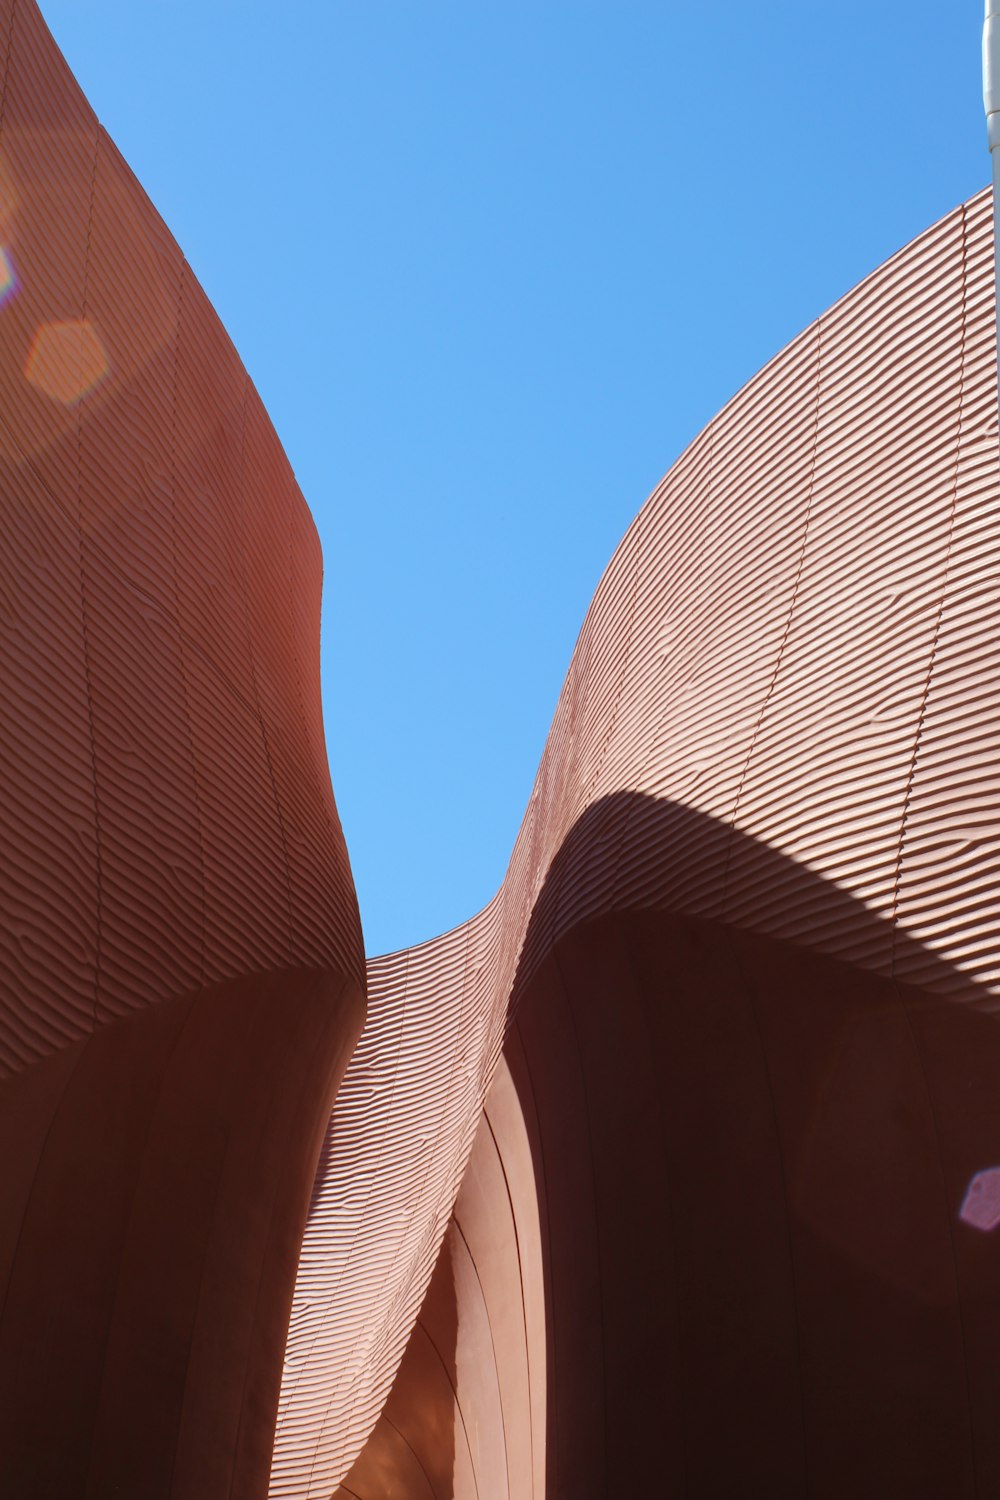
pixel 414 1448
pixel 752 1160
pixel 156 1178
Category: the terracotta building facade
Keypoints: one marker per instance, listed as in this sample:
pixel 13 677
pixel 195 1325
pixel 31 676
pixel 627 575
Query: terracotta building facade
pixel 675 1170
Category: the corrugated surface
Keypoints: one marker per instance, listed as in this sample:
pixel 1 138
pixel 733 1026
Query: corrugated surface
pixel 790 666
pixel 165 800
pixel 795 639
pixel 466 1413
pixel 181 966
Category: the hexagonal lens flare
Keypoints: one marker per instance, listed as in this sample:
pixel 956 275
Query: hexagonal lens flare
pixel 67 360
pixel 981 1204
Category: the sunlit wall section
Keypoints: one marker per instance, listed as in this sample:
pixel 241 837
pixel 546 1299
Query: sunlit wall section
pixel 788 666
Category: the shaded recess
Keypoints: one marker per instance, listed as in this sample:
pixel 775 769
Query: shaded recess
pixel 181 968
pixel 466 1413
pixel 747 1163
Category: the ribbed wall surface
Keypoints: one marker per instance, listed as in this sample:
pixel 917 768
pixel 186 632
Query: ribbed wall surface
pixel 165 796
pixel 791 654
pixel 466 1413
pixel 778 736
pixel 181 969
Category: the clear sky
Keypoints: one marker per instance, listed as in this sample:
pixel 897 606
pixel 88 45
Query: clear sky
pixel 492 264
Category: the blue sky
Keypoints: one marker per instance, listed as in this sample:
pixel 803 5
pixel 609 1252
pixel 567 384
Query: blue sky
pixel 492 266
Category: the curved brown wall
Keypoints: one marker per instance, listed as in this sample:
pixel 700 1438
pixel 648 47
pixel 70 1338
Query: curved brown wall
pixel 755 1158
pixel 781 721
pixel 466 1414
pixel 731 1014
pixel 181 972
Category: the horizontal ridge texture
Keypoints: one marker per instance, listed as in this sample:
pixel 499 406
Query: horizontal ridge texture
pixel 794 639
pixel 164 791
pixel 789 665
pixel 181 964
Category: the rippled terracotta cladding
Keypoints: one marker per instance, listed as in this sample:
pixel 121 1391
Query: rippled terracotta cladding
pixel 163 751
pixel 466 1414
pixel 692 1106
pixel 181 970
pixel 781 720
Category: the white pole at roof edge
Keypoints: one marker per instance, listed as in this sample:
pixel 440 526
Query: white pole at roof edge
pixel 991 103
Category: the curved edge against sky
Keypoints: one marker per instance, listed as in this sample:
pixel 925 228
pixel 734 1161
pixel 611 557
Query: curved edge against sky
pixel 491 273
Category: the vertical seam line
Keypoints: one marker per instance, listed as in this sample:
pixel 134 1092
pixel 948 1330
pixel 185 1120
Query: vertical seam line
pixel 793 601
pixel 84 609
pixel 903 824
pixel 253 671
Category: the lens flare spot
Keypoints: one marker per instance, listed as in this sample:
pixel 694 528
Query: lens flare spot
pixel 67 360
pixel 981 1205
pixel 8 276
